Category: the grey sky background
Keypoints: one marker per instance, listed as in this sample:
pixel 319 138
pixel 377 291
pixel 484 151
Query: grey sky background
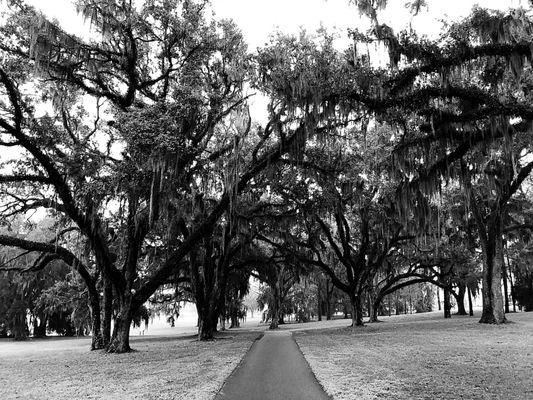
pixel 259 18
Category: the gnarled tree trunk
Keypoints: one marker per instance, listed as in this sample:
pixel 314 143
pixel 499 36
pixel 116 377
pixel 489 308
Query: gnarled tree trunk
pixel 493 311
pixel 276 307
pixel 447 304
pixel 207 324
pixel 97 341
pixel 357 310
pixel 460 299
pixel 120 341
pixel 470 307
pixel 374 310
pixel 505 286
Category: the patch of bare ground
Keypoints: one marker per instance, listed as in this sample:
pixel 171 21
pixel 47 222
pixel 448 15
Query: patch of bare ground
pixel 160 368
pixel 424 357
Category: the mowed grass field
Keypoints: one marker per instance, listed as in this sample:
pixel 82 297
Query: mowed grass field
pixel 405 357
pixel 424 357
pixel 159 368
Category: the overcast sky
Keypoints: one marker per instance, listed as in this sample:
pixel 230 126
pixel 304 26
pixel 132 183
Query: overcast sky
pixel 258 18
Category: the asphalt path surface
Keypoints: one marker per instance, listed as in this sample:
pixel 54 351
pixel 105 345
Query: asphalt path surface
pixel 273 369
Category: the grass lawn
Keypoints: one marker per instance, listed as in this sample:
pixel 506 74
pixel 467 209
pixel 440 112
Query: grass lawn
pixel 160 368
pixel 424 357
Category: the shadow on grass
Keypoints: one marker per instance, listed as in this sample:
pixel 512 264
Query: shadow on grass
pixel 224 335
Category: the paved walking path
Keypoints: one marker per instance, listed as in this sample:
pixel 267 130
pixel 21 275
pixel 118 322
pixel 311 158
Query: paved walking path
pixel 273 369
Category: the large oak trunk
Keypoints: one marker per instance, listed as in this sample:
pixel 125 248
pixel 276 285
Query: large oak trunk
pixel 460 299
pixel 374 310
pixel 97 341
pixel 319 301
pixel 208 310
pixel 470 307
pixel 505 286
pixel 357 311
pixel 374 302
pixel 208 280
pixel 276 308
pixel 493 312
pixel 20 329
pixel 208 307
pixel 234 320
pixel 207 327
pixel 120 341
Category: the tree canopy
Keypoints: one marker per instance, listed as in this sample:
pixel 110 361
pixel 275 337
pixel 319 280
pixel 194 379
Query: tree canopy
pixel 140 145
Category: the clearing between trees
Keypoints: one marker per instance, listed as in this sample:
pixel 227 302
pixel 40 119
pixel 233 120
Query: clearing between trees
pixel 160 368
pixel 419 356
pixel 422 356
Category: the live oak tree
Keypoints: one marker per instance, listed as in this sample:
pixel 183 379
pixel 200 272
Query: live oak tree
pixel 516 270
pixel 36 281
pixel 170 79
pixel 139 139
pixel 345 223
pixel 44 248
pixel 97 69
pixel 280 273
pixel 449 99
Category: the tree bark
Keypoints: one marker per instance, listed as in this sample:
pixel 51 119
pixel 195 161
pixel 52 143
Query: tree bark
pixel 234 319
pixel 374 312
pixel 206 328
pixel 276 307
pixel 39 328
pixel 20 329
pixel 107 312
pixel 357 310
pixel 470 307
pixel 97 341
pixel 319 299
pixel 374 304
pixel 329 294
pixel 493 310
pixel 208 308
pixel 120 341
pixel 328 310
pixel 513 298
pixel 460 299
pixel 505 288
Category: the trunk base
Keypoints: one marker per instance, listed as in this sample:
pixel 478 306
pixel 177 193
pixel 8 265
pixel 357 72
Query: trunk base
pixel 97 342
pixel 489 318
pixel 120 342
pixel 206 330
pixel 117 346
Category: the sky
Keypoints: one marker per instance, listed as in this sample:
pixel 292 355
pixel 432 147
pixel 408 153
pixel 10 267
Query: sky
pixel 259 18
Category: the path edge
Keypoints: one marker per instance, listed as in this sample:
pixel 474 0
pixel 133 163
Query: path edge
pixel 330 396
pixel 257 338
